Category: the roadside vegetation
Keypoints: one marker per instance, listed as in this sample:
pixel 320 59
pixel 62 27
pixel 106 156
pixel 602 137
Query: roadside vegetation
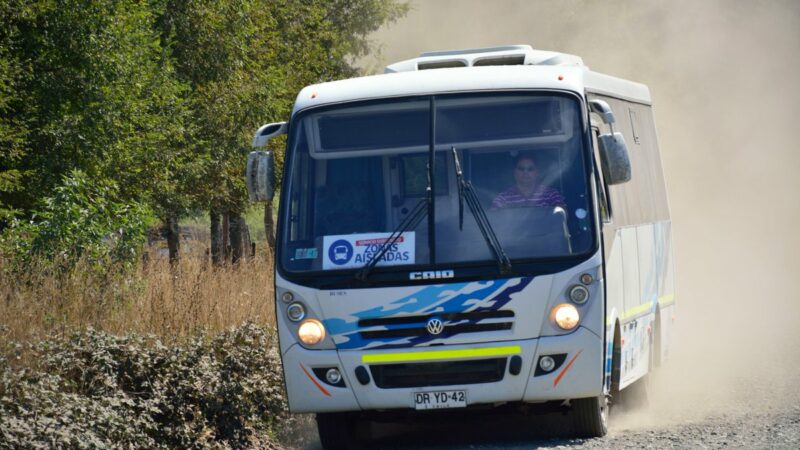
pixel 91 389
pixel 157 355
pixel 120 121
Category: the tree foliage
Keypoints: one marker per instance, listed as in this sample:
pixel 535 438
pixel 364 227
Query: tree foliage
pixel 160 96
pixel 13 130
pixel 99 96
pixel 82 219
pixel 246 60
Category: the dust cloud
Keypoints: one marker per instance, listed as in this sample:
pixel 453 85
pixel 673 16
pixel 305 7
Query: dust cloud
pixel 724 77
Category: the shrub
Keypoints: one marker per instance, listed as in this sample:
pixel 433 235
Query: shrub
pixel 95 390
pixel 83 219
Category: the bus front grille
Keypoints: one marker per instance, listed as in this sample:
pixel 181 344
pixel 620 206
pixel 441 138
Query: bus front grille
pixel 449 330
pixel 407 375
pixel 454 323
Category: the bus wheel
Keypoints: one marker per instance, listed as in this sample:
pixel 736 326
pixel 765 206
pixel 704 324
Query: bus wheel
pixel 590 416
pixel 336 430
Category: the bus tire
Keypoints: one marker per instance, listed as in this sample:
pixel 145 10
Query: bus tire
pixel 590 416
pixel 336 430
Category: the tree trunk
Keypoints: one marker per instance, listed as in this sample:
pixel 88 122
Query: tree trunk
pixel 269 226
pixel 247 242
pixel 226 236
pixel 173 238
pixel 216 238
pixel 236 236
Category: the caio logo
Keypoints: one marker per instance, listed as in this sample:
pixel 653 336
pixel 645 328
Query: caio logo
pixel 431 275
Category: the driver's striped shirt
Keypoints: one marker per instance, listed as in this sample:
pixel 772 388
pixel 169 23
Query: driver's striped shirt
pixel 513 198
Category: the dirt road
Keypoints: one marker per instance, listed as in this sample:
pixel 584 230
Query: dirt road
pixel 772 428
pixel 701 399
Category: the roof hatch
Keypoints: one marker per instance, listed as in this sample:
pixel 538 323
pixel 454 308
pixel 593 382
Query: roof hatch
pixel 508 55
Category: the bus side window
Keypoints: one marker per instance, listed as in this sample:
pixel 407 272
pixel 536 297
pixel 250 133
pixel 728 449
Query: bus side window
pixel 602 188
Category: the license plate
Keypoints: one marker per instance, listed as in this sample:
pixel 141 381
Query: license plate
pixel 440 399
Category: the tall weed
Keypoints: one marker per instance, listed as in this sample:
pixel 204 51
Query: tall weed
pixel 153 297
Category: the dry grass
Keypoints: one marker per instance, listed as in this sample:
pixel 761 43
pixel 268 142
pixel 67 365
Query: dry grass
pixel 171 302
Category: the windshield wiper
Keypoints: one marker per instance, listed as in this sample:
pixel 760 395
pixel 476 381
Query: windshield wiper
pixel 467 192
pixel 409 223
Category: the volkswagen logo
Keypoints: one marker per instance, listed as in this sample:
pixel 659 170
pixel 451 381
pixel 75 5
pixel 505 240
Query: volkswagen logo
pixel 435 326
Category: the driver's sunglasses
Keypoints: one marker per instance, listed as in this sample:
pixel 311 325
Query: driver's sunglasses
pixel 526 168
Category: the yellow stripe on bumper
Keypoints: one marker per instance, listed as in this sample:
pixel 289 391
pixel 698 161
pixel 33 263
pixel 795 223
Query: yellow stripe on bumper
pixel 437 355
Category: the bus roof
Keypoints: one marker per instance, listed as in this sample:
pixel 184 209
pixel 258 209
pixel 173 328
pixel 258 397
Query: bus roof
pixel 519 67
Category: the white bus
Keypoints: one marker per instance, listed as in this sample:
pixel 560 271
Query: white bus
pixel 470 229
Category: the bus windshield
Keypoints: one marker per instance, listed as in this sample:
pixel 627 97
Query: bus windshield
pixel 357 171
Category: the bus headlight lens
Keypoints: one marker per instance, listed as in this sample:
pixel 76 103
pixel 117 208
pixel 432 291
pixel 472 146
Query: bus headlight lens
pixel 578 294
pixel 295 312
pixel 565 316
pixel 311 332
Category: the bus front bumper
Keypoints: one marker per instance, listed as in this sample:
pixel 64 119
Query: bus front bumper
pixel 578 373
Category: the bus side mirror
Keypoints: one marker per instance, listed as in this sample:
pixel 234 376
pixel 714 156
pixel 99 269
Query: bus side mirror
pixel 614 158
pixel 260 173
pixel 613 152
pixel 260 176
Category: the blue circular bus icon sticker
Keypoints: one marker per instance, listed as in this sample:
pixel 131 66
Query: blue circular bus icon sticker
pixel 340 252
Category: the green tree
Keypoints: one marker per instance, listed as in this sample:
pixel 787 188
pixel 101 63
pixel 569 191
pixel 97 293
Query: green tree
pixel 100 97
pixel 13 129
pixel 160 96
pixel 81 219
pixel 246 60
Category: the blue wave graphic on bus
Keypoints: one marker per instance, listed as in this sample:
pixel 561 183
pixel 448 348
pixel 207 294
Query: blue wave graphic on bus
pixel 431 300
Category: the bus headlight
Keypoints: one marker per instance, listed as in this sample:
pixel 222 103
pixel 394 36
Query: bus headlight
pixel 311 332
pixel 296 312
pixel 578 294
pixel 565 316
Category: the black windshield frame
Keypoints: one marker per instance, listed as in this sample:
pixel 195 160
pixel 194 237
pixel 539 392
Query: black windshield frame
pixel 465 271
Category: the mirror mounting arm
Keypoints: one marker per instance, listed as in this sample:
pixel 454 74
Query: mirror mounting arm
pixel 604 110
pixel 269 131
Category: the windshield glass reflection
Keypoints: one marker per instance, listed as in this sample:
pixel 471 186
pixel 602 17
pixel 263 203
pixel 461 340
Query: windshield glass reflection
pixel 357 171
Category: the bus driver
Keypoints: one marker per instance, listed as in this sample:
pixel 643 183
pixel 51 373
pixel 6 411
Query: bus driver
pixel 528 189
